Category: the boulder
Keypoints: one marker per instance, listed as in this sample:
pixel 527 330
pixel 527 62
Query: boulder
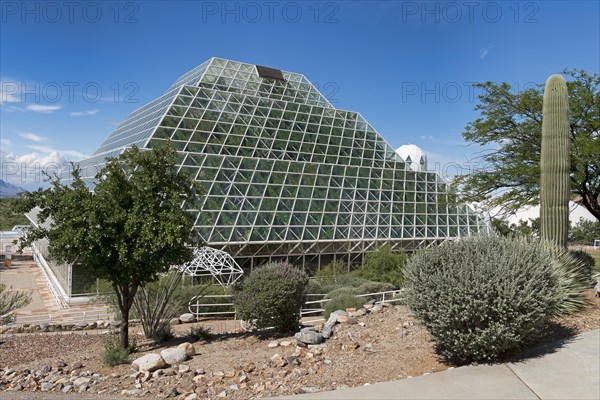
pixel 309 337
pixel 189 348
pixel 187 318
pixel 150 362
pixel 334 316
pixel 174 355
pixel 327 329
pixel 81 381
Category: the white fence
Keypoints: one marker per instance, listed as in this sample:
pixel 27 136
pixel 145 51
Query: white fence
pixel 310 307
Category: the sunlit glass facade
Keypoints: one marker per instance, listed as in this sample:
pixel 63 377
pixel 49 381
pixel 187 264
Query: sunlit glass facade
pixel 285 174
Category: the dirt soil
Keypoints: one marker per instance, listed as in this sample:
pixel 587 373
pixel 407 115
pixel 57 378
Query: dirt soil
pixel 377 347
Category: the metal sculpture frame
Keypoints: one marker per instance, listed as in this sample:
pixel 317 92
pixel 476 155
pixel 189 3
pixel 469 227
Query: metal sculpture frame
pixel 213 262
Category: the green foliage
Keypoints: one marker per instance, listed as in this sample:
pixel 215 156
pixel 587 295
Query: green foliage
pixel 9 215
pixel 314 287
pixel 342 291
pixel 342 302
pixel 334 282
pixel 384 266
pixel 156 303
pixel 375 287
pixel 510 130
pixel 11 300
pixel 114 354
pixel 199 333
pixel 555 164
pixel 530 228
pixel 571 279
pixel 272 295
pixel 585 232
pixel 128 231
pixel 334 268
pixel 480 297
pixel 585 262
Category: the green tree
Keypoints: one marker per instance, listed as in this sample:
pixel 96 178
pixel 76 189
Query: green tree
pixel 522 228
pixel 510 128
pixel 128 230
pixel 585 232
pixel 382 265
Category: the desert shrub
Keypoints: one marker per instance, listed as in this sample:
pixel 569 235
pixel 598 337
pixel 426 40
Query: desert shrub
pixel 199 333
pixel 272 295
pixel 586 263
pixel 342 302
pixel 572 280
pixel 156 303
pixel 331 283
pixel 375 287
pixel 11 300
pixel 114 354
pixel 334 268
pixel 482 296
pixel 382 265
pixel 314 287
pixel 342 291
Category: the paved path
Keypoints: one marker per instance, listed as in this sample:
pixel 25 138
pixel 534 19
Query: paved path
pixel 24 274
pixel 570 372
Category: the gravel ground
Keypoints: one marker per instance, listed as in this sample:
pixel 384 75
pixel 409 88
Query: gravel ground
pixel 379 347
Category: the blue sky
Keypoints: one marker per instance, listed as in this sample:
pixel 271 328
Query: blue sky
pixel 71 71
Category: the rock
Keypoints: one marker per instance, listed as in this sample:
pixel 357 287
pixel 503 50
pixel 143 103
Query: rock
pixel 46 387
pixel 278 361
pixel 328 329
pixel 189 348
pixel 272 345
pixel 376 308
pixel 187 318
pixel 67 389
pixel 309 337
pixel 81 381
pixel 343 318
pixel 285 343
pixel 192 396
pixel 131 392
pixel 222 394
pixel 336 314
pixel 171 393
pixel 46 369
pixel 174 355
pixel 150 362
pixel 174 321
pixel 307 389
pixel 157 373
pixel 77 365
pixel 358 313
pixel 183 368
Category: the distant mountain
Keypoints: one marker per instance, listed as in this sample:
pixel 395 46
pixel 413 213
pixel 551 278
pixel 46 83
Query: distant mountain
pixel 9 190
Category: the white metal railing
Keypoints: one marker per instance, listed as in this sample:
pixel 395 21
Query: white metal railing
pixel 73 318
pixel 56 289
pixel 308 307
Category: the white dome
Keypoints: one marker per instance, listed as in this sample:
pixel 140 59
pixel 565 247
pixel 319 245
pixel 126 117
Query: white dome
pixel 414 156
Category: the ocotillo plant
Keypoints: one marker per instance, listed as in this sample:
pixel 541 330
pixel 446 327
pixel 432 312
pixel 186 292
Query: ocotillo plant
pixel 555 162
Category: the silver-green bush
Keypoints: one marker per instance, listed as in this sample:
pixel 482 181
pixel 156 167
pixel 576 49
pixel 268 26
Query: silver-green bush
pixel 482 296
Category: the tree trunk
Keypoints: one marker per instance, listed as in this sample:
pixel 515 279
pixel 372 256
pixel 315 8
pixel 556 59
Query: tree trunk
pixel 124 327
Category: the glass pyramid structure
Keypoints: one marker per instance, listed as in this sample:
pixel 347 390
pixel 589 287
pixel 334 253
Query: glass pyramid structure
pixel 285 174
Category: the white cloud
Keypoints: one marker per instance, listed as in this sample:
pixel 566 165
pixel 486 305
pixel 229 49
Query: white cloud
pixel 483 53
pixel 71 154
pixel 41 108
pixel 27 170
pixel 32 136
pixel 84 113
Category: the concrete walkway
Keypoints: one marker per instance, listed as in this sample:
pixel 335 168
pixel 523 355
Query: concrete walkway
pixel 571 371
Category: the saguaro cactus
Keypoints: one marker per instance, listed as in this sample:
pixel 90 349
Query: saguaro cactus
pixel 555 163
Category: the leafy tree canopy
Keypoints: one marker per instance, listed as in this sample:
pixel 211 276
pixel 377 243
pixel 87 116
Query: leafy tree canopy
pixel 510 128
pixel 585 232
pixel 128 230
